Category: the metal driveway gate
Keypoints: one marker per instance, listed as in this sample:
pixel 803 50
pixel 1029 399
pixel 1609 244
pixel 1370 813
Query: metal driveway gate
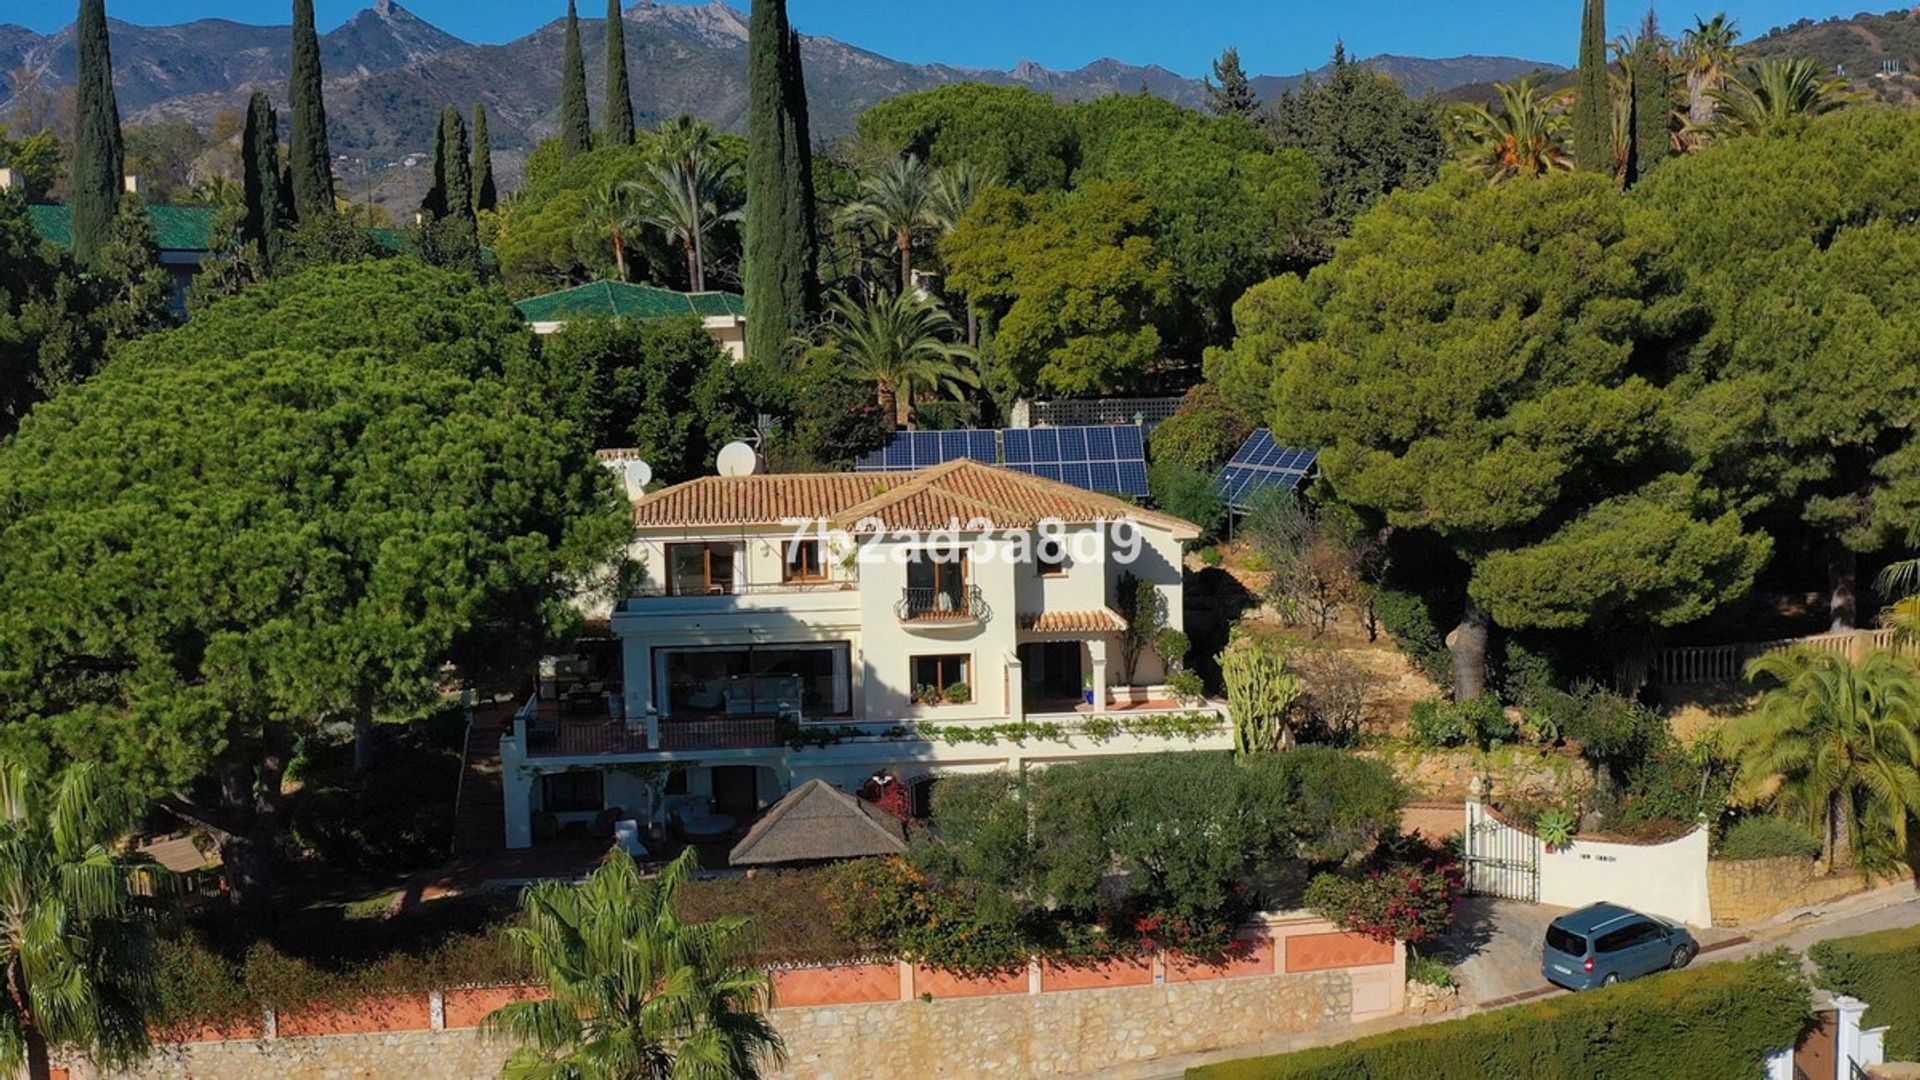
pixel 1501 860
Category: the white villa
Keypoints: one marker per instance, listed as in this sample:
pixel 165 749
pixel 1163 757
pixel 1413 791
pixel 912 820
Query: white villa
pixel 834 626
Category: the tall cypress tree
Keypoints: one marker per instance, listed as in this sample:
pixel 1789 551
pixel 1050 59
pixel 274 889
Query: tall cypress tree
pixel 1593 103
pixel 260 179
pixel 780 258
pixel 457 164
pixel 433 205
pixel 485 197
pixel 99 159
pixel 619 96
pixel 576 128
pixel 310 161
pixel 1652 82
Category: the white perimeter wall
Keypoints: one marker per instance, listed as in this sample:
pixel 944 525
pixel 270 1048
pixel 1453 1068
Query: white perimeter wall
pixel 1660 879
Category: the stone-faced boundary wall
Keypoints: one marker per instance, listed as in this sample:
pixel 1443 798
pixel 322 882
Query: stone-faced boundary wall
pixel 1289 974
pixel 1753 890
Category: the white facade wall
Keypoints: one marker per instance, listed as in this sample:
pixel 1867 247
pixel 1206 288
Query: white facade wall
pixel 865 613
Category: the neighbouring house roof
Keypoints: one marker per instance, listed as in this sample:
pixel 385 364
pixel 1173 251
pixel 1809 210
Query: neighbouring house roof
pixel 178 854
pixel 1098 620
pixel 960 491
pixel 817 821
pixel 175 228
pixel 620 299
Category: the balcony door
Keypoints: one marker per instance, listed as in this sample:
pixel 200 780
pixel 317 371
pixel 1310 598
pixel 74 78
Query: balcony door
pixel 937 584
pixel 699 569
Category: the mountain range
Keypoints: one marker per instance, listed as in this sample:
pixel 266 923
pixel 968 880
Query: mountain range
pixel 389 73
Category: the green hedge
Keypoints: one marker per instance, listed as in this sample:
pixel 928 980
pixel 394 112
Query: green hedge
pixel 1409 621
pixel 1883 970
pixel 1767 838
pixel 1705 1023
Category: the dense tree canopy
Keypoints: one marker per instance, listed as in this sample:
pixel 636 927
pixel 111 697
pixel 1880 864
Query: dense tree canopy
pixel 1365 134
pixel 556 232
pixel 1073 283
pixel 1802 384
pixel 1484 365
pixel 1012 132
pixel 1229 211
pixel 296 507
pixel 662 386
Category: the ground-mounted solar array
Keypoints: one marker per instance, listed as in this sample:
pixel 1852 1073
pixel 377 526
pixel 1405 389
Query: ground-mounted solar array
pixel 1261 464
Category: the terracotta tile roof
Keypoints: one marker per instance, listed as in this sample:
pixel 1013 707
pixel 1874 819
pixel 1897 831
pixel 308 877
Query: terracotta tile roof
pixel 1099 620
pixel 958 491
pixel 752 500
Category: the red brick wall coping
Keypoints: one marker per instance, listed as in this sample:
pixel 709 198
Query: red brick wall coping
pixel 1283 947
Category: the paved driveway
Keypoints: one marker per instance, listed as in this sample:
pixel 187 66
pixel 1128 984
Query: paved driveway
pixel 1497 943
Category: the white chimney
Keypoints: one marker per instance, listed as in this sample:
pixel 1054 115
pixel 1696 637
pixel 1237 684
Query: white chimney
pixel 134 185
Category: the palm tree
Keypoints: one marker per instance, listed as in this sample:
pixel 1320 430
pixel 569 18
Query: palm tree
pixel 1773 96
pixel 1842 740
pixel 1900 583
pixel 898 201
pixel 1525 138
pixel 609 217
pixel 77 957
pixel 1708 54
pixel 955 187
pixel 636 991
pixel 904 346
pixel 706 173
pixel 686 205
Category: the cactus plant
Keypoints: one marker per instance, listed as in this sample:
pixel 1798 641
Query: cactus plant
pixel 1261 695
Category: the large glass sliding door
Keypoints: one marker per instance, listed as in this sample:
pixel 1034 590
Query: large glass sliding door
pixel 764 680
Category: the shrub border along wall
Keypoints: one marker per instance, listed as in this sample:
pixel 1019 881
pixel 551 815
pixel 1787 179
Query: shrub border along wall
pixel 1720 1021
pixel 1883 970
pixel 1293 944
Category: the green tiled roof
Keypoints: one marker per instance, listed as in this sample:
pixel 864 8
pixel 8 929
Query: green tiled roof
pixel 175 228
pixel 619 299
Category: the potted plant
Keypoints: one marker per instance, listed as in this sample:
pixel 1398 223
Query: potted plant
pixel 1086 689
pixel 959 694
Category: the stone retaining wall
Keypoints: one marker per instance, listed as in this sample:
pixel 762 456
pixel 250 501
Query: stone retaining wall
pixel 1753 890
pixel 1289 974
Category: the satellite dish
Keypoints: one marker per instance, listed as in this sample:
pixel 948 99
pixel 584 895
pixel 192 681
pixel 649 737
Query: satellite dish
pixel 738 459
pixel 637 474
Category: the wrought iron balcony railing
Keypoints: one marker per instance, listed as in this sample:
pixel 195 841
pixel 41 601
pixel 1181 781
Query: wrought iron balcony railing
pixel 943 605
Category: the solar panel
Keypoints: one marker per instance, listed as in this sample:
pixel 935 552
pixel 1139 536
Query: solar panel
pixel 1107 458
pixel 1110 458
pixel 924 449
pixel 1262 464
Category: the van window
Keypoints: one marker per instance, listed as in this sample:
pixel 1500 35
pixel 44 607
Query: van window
pixel 1566 941
pixel 1626 937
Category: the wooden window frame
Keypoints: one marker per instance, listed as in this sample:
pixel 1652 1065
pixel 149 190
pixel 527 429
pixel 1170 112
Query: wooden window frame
pixel 946 679
pixel 788 550
pixel 706 554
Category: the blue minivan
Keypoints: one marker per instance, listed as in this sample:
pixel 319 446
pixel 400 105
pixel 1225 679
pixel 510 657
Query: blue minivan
pixel 1601 944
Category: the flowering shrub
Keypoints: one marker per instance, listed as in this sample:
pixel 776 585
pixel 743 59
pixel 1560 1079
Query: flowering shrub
pixel 1408 902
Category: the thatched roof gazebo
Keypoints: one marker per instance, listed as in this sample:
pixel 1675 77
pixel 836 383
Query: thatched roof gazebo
pixel 817 822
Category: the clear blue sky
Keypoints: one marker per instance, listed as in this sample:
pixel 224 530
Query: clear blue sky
pixel 1274 36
